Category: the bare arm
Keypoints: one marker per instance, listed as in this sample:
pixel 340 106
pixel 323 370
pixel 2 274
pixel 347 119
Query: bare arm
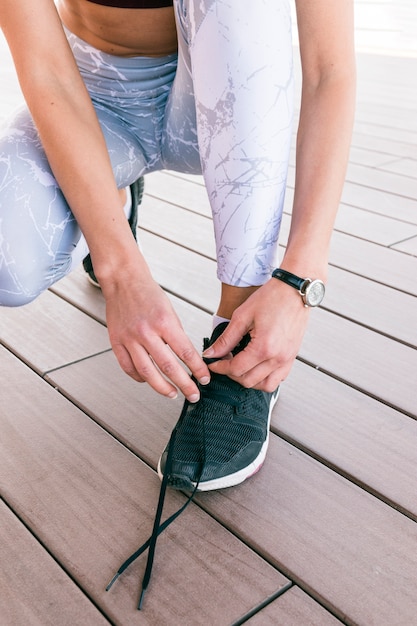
pixel 142 325
pixel 324 132
pixel 274 314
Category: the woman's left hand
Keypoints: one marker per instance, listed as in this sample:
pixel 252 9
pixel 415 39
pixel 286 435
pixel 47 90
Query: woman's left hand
pixel 276 319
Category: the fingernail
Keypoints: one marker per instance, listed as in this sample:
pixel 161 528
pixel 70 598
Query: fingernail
pixel 208 352
pixel 173 395
pixel 194 398
pixel 205 380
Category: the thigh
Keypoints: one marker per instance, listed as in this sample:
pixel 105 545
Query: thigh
pixel 36 223
pixel 180 151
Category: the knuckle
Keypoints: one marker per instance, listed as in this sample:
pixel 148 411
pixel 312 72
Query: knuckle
pixel 144 371
pixel 187 355
pixel 167 368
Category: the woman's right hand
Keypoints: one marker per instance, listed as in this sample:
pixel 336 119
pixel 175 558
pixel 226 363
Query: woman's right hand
pixel 148 339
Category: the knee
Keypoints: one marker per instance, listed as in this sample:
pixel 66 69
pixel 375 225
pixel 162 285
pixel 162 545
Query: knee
pixel 19 286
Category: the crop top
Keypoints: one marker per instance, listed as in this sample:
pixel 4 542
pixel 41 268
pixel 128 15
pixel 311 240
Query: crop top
pixel 134 4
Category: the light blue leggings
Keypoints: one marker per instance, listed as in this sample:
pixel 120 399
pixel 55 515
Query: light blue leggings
pixel 223 107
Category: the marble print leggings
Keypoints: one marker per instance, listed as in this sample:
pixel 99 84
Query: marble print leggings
pixel 221 107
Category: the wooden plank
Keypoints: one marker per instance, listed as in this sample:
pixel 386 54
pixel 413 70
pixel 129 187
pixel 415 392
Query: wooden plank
pixel 345 349
pixel 371 362
pixel 383 265
pixel 365 137
pixel 34 589
pixel 186 192
pixel 409 246
pixel 376 306
pixel 364 156
pixel 392 206
pixel 365 212
pixel 191 230
pixel 48 332
pixel 349 551
pixel 385 181
pixel 293 608
pixel 387 133
pixel 92 503
pixel 195 276
pixel 359 357
pixel 136 415
pixel 405 167
pixel 78 291
pixel 364 439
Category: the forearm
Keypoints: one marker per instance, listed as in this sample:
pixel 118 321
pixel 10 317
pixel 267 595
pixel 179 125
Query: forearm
pixel 323 141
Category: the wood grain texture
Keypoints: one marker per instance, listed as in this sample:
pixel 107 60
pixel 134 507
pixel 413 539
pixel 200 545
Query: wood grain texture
pixel 49 332
pixel 34 589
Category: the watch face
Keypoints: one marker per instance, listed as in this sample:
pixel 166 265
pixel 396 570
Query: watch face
pixel 314 293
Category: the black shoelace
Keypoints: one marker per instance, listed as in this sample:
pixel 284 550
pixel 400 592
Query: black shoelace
pixel 158 528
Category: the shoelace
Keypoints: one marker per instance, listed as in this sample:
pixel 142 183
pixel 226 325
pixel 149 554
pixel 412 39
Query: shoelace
pixel 158 528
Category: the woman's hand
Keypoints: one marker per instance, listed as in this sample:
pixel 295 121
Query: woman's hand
pixel 147 337
pixel 276 319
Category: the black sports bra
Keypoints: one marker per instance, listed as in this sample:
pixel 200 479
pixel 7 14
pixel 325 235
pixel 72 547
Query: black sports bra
pixel 134 4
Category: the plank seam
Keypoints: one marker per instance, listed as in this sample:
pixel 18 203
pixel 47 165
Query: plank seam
pixel 55 559
pixel 349 383
pixel 84 358
pixel 377 331
pixel 344 474
pixel 263 604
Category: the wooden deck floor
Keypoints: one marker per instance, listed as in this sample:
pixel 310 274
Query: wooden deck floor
pixel 326 533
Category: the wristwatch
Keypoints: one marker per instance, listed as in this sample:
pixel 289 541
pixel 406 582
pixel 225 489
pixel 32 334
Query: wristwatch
pixel 311 291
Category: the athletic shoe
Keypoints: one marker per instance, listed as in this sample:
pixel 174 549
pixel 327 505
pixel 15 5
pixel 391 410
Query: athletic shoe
pixel 222 439
pixel 136 190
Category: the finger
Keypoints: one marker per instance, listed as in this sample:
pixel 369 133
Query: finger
pixel 265 376
pixel 271 383
pixel 229 339
pixel 185 351
pixel 249 377
pixel 139 365
pixel 126 362
pixel 172 369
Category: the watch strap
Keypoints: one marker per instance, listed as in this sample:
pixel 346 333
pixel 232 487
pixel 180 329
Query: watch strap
pixel 290 279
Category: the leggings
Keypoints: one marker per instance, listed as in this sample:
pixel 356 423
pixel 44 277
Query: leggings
pixel 222 107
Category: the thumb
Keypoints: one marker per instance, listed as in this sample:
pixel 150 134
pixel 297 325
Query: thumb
pixel 227 341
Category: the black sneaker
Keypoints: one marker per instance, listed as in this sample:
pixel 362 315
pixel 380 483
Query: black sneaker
pixel 136 191
pixel 222 439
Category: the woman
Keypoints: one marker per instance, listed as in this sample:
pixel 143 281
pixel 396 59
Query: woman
pixel 112 98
